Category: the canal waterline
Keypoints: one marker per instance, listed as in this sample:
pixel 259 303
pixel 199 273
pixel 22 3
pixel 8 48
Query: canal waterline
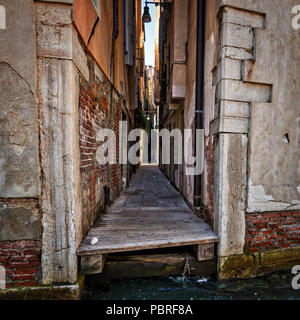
pixel 276 286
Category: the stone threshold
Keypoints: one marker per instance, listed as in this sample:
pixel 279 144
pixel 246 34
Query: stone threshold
pixel 57 292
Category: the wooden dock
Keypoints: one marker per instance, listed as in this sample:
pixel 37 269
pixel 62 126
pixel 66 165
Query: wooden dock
pixel 151 214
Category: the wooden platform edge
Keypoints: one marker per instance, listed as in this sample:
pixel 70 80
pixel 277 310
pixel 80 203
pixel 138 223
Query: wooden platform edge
pixel 90 252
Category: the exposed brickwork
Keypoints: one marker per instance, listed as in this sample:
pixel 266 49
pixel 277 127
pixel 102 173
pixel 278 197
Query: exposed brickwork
pixel 100 107
pixel 274 230
pixel 22 262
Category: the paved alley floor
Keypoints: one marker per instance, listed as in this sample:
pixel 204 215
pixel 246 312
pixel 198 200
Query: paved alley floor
pixel 150 214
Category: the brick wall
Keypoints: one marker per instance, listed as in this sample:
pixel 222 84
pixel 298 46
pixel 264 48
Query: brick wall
pixel 269 231
pixel 21 260
pixel 19 220
pixel 100 107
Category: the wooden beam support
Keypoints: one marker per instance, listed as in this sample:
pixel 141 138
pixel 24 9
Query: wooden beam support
pixel 155 265
pixel 205 251
pixel 92 264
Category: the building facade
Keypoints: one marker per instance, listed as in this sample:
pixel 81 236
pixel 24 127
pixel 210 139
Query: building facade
pixel 68 72
pixel 227 67
pixel 249 189
pixel 150 111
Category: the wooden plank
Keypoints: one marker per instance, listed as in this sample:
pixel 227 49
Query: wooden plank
pixel 92 264
pixel 205 251
pixel 131 226
pixel 145 245
pixel 138 209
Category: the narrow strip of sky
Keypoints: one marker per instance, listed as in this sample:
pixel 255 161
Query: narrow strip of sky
pixel 149 45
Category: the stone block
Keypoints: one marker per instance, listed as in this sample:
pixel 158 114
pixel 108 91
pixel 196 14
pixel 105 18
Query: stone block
pixel 230 196
pixel 19 223
pixel 54 41
pixel 235 53
pixel 57 1
pixel 53 15
pixel 65 292
pixel 60 162
pixel 54 31
pixel 247 70
pixel 244 18
pixel 19 174
pixel 233 118
pixel 228 69
pixel 234 109
pixel 282 257
pixel 244 91
pixel 238 266
pixel 230 125
pixel 235 35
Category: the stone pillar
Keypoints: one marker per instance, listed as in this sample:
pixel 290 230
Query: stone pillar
pixel 58 96
pixel 235 96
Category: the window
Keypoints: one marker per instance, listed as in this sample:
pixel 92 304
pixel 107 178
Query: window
pixel 96 4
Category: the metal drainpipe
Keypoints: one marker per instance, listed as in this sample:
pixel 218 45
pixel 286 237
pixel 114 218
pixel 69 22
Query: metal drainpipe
pixel 199 88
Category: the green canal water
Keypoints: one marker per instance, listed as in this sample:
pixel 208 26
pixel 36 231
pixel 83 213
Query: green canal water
pixel 276 286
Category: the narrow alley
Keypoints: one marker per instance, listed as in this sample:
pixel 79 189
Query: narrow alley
pixel 145 139
pixel 151 214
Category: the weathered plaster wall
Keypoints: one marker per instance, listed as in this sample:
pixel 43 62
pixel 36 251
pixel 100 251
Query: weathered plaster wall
pixel 178 34
pixel 18 113
pixel 189 104
pixel 19 40
pixel 44 72
pixel 210 112
pixel 20 218
pixel 274 168
pixel 256 167
pixel 101 46
pixel 234 96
